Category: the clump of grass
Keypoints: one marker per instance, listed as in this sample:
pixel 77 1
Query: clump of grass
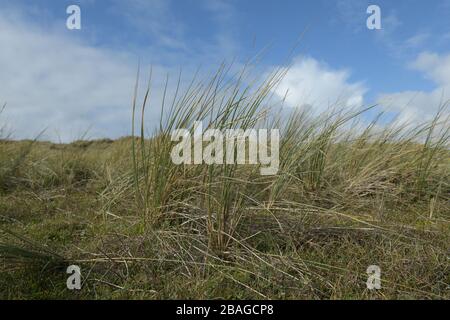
pixel 12 159
pixel 342 200
pixel 225 102
pixel 319 157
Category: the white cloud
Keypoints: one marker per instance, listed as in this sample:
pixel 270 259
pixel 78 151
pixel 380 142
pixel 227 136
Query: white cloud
pixel 309 82
pixel 419 106
pixel 51 79
pixel 436 67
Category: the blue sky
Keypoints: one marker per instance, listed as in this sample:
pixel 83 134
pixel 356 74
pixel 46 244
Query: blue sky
pixel 72 80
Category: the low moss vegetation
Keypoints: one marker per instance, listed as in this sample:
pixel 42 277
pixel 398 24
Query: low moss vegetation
pixel 141 227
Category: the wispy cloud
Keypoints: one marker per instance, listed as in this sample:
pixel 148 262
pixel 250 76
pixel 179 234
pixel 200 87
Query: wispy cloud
pixel 418 40
pixel 153 18
pixel 418 106
pixel 51 80
pixel 352 13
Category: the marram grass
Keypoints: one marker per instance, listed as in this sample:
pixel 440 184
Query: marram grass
pixel 141 227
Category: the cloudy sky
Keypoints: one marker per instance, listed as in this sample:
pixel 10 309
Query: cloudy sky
pixel 73 81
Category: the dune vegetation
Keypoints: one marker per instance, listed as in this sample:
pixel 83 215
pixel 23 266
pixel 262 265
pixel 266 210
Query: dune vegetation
pixel 349 193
